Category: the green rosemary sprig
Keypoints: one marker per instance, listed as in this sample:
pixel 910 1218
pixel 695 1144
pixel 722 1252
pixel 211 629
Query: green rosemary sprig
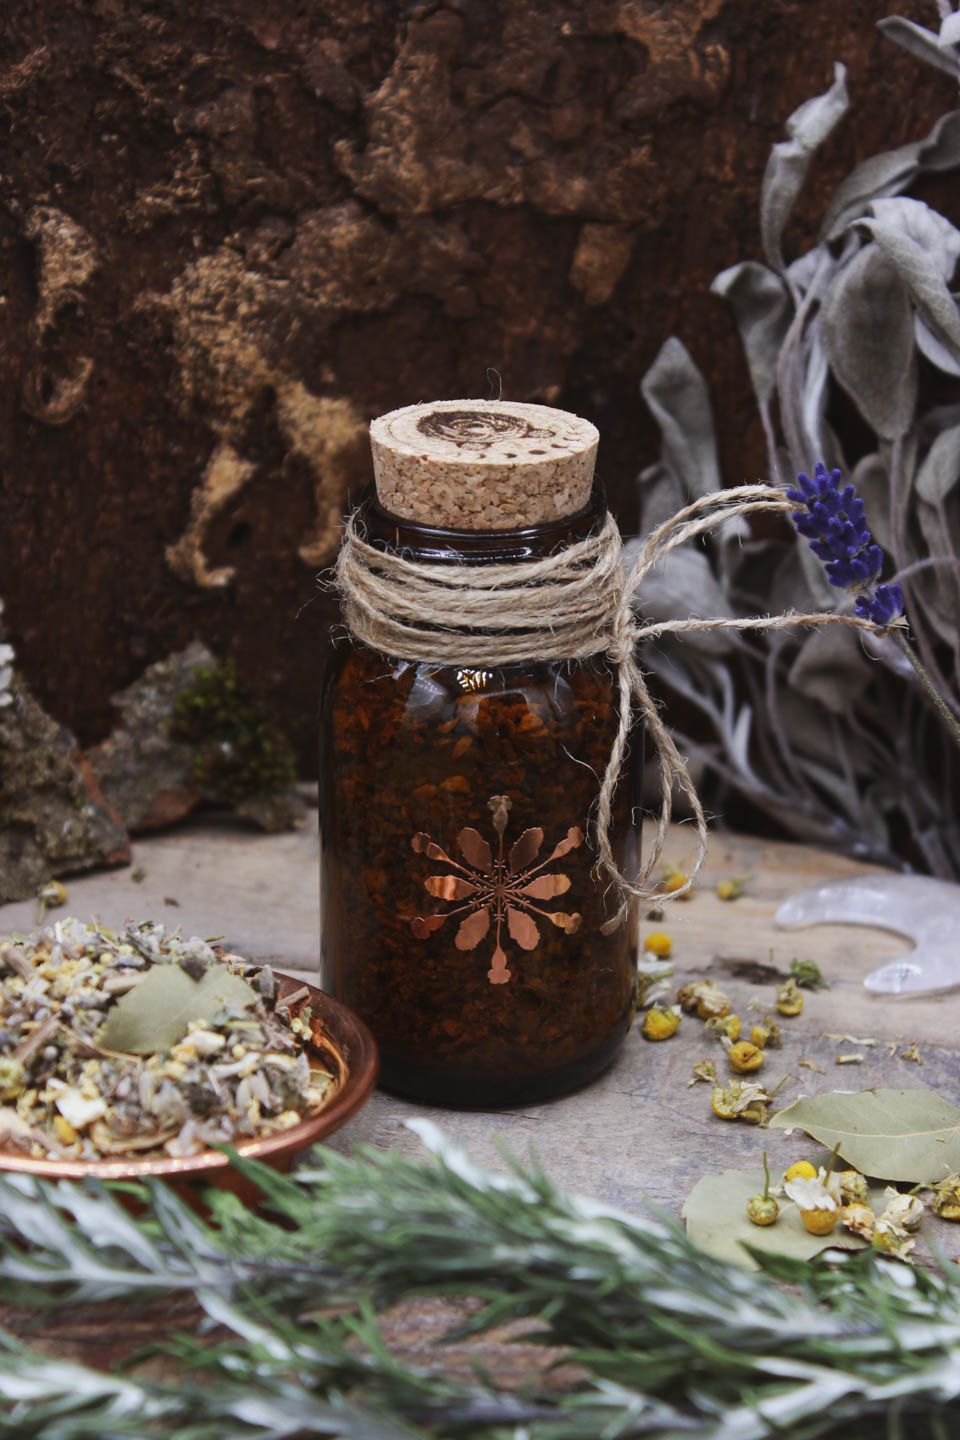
pixel 671 1342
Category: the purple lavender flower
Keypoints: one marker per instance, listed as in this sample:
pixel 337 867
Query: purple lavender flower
pixel 832 519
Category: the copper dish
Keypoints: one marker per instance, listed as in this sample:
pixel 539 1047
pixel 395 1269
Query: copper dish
pixel 340 1043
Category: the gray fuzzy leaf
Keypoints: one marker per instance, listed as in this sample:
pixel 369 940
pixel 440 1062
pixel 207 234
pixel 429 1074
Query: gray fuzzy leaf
pixel 891 172
pixel 921 43
pixel 923 278
pixel 660 494
pixel 681 585
pixel 786 170
pixel 831 668
pixel 933 232
pixel 868 333
pixel 762 310
pixel 678 398
pixel 872 481
pixel 933 349
pixel 940 470
pixel 950 29
pixel 941 149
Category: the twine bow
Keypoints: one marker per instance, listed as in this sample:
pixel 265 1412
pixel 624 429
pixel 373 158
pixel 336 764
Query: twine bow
pixel 568 606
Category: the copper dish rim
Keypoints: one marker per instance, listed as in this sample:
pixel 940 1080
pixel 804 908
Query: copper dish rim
pixel 339 1037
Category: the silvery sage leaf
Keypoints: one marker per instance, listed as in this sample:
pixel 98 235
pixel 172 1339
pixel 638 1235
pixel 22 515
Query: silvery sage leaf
pixel 682 584
pixel 891 172
pixel 868 334
pixel 950 29
pixel 678 398
pixel 762 310
pixel 832 669
pixel 922 274
pixel 923 44
pixel 786 170
pixel 933 232
pixel 940 471
pixel 871 479
pixel 933 349
pixel 156 1013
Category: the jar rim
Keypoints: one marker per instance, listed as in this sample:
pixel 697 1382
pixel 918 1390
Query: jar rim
pixel 386 531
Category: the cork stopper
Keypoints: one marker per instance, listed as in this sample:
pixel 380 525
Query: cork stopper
pixel 483 464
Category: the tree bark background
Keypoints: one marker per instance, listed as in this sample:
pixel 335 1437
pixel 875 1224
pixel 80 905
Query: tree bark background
pixel 231 233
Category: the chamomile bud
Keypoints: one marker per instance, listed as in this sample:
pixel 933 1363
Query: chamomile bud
pixel 660 1024
pixel 744 1057
pixel 763 1209
pixel 801 1170
pixel 766 1035
pixel 946 1198
pixel 859 1220
pixel 853 1188
pixel 659 944
pixel 789 998
pixel 728 1026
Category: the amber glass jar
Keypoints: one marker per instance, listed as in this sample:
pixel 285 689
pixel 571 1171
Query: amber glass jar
pixel 462 914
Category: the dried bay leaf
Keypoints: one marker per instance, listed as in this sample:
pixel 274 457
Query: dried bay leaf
pixel 715 1213
pixel 155 1015
pixel 912 1136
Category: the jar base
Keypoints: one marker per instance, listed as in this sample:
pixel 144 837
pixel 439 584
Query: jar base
pixel 447 1090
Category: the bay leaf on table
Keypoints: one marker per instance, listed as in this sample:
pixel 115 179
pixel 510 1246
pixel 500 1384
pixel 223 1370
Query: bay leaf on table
pixel 715 1212
pixel 911 1136
pixel 156 1013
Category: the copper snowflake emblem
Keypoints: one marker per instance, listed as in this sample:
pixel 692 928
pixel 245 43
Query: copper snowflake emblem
pixel 497 890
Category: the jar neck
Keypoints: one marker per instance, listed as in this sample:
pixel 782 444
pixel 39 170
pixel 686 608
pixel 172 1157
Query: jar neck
pixel 426 543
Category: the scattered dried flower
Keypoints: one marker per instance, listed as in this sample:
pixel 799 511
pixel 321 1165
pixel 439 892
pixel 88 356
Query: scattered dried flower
pixel 763 1209
pixel 661 1024
pixel 767 1034
pixel 789 998
pixel 946 1198
pixel 704 1070
pixel 912 1053
pixel 744 1057
pixel 903 1212
pixel 729 889
pixel 724 1026
pixel 50 897
pixel 852 1059
pixel 853 1188
pixel 859 1219
pixel 676 882
pixel 659 944
pixel 801 1170
pixel 704 998
pixel 741 1100
pixel 811 1065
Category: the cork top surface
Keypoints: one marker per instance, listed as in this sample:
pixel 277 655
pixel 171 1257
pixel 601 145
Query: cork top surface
pixel 483 464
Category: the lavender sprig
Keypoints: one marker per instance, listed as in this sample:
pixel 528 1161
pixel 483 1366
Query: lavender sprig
pixel 831 516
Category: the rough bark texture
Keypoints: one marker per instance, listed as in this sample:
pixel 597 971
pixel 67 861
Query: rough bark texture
pixel 232 233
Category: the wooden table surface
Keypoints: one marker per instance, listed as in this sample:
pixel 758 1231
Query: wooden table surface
pixel 639 1133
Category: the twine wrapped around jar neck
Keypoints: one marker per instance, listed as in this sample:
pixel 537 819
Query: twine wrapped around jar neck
pixel 570 605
